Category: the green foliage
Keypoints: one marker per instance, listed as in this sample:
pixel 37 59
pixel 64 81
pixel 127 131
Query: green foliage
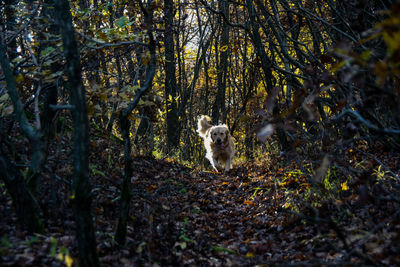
pixel 183 238
pixel 5 242
pixel 53 247
pixel 95 170
pixel 222 249
pixel 32 241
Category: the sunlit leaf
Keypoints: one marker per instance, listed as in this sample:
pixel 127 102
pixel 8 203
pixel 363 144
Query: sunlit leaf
pixel 344 186
pixel 19 78
pixel 249 255
pixel 68 260
pixel 224 48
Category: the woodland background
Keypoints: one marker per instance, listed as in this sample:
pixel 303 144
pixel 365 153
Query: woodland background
pixel 99 156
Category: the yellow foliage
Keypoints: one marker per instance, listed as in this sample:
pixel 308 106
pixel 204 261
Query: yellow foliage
pixel 224 48
pixel 249 255
pixel 19 78
pixel 66 259
pixel 344 186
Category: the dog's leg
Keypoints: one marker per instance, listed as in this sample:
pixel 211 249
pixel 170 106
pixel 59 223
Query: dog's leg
pixel 228 163
pixel 216 165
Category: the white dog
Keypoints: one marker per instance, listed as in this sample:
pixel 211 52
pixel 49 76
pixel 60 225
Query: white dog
pixel 218 142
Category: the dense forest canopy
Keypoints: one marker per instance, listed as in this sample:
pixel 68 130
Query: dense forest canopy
pixel 297 62
pixel 296 81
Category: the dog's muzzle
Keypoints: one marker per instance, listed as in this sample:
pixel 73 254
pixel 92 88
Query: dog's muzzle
pixel 220 144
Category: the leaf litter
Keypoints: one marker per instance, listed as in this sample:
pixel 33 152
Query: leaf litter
pixel 253 215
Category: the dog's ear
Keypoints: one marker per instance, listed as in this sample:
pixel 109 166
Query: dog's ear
pixel 227 134
pixel 209 134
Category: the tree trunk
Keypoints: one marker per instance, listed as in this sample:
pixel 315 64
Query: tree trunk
pixel 173 126
pixel 219 110
pixel 24 203
pixel 23 200
pixel 120 234
pixel 266 62
pixel 81 185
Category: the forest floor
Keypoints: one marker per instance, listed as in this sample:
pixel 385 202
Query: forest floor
pixel 257 214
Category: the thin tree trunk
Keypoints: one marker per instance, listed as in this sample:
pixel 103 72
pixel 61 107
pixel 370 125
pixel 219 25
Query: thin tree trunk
pixel 24 201
pixel 219 110
pixel 120 234
pixel 81 185
pixel 173 126
pixel 266 62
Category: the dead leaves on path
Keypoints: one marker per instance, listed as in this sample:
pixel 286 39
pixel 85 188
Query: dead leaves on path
pixel 253 215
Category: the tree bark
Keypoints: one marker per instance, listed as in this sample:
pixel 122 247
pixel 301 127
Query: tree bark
pixel 219 110
pixel 266 62
pixel 24 201
pixel 81 186
pixel 173 126
pixel 120 234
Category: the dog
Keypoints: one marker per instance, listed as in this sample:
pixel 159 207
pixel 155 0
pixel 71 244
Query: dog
pixel 218 143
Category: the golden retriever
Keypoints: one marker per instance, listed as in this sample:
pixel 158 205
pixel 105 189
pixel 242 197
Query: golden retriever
pixel 218 143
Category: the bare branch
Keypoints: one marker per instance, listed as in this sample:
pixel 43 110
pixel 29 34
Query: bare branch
pixel 367 123
pixel 29 131
pixel 219 12
pixel 102 45
pixel 58 107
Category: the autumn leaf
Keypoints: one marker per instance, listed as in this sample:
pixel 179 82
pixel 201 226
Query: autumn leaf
pixel 224 48
pixel 19 78
pixel 381 71
pixel 344 186
pixel 249 255
pixel 248 202
pixel 68 260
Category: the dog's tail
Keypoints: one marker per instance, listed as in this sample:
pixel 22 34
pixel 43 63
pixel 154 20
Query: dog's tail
pixel 203 125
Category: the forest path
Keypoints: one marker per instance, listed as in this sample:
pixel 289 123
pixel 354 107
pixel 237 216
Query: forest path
pixel 208 218
pixel 181 216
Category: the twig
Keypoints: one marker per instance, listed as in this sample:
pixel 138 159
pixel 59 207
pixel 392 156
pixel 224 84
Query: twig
pixel 103 45
pixel 29 131
pixel 380 163
pixel 326 23
pixel 58 177
pixel 219 12
pixel 37 112
pixel 58 107
pixel 367 123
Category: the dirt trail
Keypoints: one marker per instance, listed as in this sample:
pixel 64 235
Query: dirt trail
pixel 182 217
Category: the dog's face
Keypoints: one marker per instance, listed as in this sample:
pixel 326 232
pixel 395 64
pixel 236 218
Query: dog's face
pixel 219 134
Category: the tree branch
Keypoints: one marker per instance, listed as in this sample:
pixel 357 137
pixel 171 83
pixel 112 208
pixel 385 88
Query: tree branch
pixel 151 67
pixel 19 112
pixel 367 123
pixel 219 12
